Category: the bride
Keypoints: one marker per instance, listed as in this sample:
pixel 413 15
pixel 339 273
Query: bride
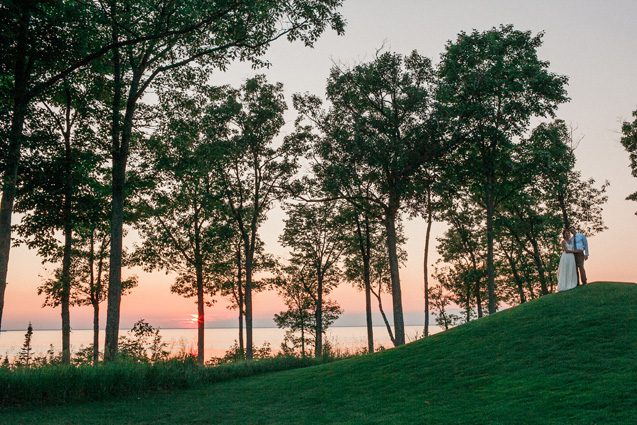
pixel 567 271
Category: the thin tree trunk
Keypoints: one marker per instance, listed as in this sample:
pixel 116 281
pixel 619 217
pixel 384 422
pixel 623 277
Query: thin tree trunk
pixel 66 285
pixel 490 254
pixel 248 299
pixel 303 338
pixel 97 298
pixel 96 333
pixel 537 259
pixel 468 305
pixel 10 175
pixel 562 203
pixel 200 314
pixel 426 260
pixel 240 301
pixel 384 316
pixel 479 299
pixel 365 248
pixel 318 318
pixel 516 277
pixel 68 234
pixel 117 206
pixel 399 324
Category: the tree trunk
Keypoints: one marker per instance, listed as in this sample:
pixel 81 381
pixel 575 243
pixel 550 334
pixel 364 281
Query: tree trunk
pixel 303 338
pixel 467 308
pixel 318 317
pixel 66 285
pixel 97 298
pixel 240 301
pixel 479 299
pixel 490 254
pixel 368 307
pixel 384 316
pixel 65 301
pixel 248 299
pixel 118 176
pixel 96 333
pixel 517 278
pixel 365 248
pixel 200 314
pixel 562 202
pixel 537 259
pixel 399 324
pixel 10 175
pixel 426 260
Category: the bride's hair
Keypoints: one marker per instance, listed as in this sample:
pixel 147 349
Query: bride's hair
pixel 565 234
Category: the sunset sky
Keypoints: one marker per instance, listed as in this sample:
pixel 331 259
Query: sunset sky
pixel 592 42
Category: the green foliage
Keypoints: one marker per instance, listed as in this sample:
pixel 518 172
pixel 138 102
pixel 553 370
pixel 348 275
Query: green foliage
pixel 298 288
pixel 236 354
pixel 314 232
pixel 180 214
pixel 369 147
pixel 629 141
pixel 143 344
pixel 440 301
pixel 25 355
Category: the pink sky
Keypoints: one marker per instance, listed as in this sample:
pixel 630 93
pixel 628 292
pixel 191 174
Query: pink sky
pixel 591 42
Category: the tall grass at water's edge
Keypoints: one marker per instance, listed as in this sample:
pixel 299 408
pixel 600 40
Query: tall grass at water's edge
pixel 63 384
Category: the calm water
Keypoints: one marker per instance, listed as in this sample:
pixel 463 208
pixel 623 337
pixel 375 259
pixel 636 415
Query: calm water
pixel 217 341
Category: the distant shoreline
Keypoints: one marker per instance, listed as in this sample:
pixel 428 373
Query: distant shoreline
pixel 215 327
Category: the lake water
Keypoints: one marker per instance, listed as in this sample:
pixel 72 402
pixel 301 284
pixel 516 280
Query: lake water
pixel 217 341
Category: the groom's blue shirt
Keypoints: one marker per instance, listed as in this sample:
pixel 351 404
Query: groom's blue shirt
pixel 581 242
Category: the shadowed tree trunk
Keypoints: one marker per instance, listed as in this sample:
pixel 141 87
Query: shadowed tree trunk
pixel 240 300
pixel 21 75
pixel 426 260
pixel 384 316
pixel 490 202
pixel 364 245
pixel 390 224
pixel 318 316
pixel 66 259
pixel 117 208
pixel 248 299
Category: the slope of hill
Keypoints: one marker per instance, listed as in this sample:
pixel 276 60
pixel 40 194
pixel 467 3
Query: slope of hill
pixel 563 359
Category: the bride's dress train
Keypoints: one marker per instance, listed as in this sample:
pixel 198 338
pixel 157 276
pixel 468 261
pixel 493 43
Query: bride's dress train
pixel 567 271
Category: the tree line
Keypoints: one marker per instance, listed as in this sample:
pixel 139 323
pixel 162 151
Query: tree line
pixel 86 155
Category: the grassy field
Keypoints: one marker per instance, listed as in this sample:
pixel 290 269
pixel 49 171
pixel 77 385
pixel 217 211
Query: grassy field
pixel 568 358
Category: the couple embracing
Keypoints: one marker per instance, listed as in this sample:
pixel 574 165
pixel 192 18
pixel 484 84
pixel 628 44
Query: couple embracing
pixel 574 253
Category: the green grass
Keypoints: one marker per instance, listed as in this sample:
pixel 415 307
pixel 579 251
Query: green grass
pixel 57 384
pixel 569 358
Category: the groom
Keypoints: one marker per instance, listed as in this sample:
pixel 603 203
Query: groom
pixel 580 243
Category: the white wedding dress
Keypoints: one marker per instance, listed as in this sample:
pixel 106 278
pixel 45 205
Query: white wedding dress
pixel 567 271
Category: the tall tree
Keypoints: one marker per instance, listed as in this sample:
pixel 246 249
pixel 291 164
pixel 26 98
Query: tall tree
pixel 629 140
pixel 298 292
pixel 210 34
pixel 255 172
pixel 35 36
pixel 377 133
pixel 184 228
pixel 491 84
pixel 62 170
pixel 314 232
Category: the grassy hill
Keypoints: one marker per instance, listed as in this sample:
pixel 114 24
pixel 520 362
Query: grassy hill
pixel 564 359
